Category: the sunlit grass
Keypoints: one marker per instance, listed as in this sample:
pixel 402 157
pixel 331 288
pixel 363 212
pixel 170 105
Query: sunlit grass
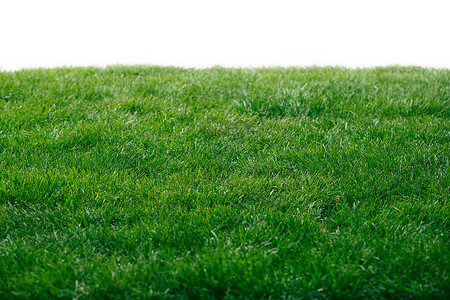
pixel 140 182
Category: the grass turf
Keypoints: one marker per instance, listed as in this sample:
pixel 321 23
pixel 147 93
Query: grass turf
pixel 164 182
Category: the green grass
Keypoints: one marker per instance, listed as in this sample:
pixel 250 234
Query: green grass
pixel 142 182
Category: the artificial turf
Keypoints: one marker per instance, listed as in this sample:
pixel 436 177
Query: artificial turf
pixel 162 182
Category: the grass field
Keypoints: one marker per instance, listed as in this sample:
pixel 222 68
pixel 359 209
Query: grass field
pixel 142 182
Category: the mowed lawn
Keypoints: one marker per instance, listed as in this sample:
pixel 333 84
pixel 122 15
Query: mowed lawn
pixel 161 182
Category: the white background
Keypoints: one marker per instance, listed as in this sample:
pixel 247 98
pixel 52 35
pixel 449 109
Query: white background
pixel 228 33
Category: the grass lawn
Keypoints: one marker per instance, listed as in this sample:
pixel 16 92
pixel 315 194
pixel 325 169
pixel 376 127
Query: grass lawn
pixel 158 182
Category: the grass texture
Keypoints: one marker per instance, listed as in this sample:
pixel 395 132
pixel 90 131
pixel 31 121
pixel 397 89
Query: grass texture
pixel 283 183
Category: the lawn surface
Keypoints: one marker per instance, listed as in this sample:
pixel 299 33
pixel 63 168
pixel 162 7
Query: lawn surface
pixel 141 182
